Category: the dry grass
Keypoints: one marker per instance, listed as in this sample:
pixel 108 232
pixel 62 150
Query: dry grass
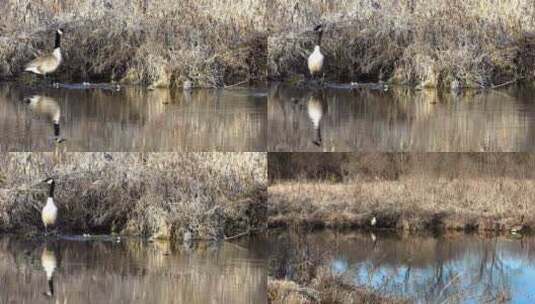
pixel 409 203
pixel 155 42
pixel 461 191
pixel 162 195
pixel 477 43
pixel 325 289
pixel 338 167
pixel 473 43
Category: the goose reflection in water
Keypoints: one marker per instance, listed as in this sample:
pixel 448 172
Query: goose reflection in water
pixel 49 109
pixel 316 108
pixel 49 262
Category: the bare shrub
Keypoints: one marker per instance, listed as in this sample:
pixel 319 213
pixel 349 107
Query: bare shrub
pixel 416 191
pixel 208 195
pixel 477 43
pixel 157 42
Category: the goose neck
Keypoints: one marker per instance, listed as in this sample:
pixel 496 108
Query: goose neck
pixel 51 190
pixel 58 41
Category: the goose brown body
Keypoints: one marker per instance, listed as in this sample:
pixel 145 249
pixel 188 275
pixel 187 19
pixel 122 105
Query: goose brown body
pixel 48 63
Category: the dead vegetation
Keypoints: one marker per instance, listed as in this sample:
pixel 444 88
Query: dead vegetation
pixel 428 191
pixel 326 289
pixel 157 42
pixel 300 272
pixel 457 43
pixel 159 195
pixel 472 43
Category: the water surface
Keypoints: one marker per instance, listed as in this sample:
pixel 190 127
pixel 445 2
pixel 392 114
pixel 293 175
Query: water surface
pixel 400 119
pixel 426 269
pixel 132 119
pixel 79 270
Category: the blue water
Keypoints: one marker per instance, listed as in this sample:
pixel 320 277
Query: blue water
pixel 453 268
pixel 471 277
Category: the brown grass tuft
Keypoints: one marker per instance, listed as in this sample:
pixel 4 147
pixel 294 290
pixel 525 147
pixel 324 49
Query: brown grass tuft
pixel 161 195
pixel 158 43
pixel 477 43
pixel 427 191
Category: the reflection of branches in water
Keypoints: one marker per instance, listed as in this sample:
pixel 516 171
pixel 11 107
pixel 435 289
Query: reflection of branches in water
pixel 452 280
pixel 495 278
pixel 405 119
pixel 135 119
pixel 158 271
pixel 298 259
pixel 437 270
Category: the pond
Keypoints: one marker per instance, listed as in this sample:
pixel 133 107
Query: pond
pixel 458 268
pixel 338 119
pixel 72 269
pixel 109 118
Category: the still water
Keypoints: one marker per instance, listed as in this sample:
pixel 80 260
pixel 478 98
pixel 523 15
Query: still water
pixel 456 268
pixel 103 270
pixel 400 119
pixel 131 119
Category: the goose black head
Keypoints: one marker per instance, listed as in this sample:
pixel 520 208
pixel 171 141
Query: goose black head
pixel 29 99
pixel 52 184
pixel 48 180
pixel 60 31
pixel 318 29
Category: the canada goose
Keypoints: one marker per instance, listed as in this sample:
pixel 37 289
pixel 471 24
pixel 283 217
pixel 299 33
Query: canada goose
pixel 316 108
pixel 49 264
pixel 49 213
pixel 373 222
pixel 46 107
pixel 48 63
pixel 315 60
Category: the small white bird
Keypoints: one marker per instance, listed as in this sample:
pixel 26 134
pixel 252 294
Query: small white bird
pixel 315 60
pixel 519 228
pixel 49 264
pixel 49 214
pixel 49 63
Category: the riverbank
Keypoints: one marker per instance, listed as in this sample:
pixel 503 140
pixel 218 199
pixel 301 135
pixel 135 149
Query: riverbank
pixel 455 44
pixel 473 44
pixel 156 43
pixel 208 196
pixel 412 204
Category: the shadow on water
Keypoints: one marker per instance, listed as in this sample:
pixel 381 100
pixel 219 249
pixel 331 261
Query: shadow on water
pixel 77 270
pixel 132 119
pixel 401 120
pixel 427 269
